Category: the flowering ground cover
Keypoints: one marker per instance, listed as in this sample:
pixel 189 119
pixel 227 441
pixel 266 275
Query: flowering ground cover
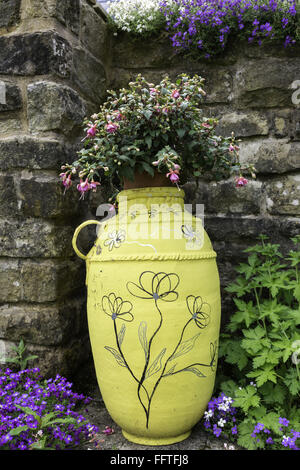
pixel 204 28
pixel 40 414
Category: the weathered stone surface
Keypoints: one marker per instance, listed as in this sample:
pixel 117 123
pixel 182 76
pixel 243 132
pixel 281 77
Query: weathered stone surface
pixel 9 126
pixel 9 12
pixel 43 196
pixel 93 32
pixel 49 281
pixel 54 107
pixel 35 238
pixel 33 153
pixel 65 11
pixel 10 97
pixel 10 281
pixel 46 325
pixel 8 198
pixel 52 360
pixel 271 155
pixel 283 195
pixel 89 75
pixel 35 54
pixel 243 124
pixel 265 83
pixel 231 235
pixel 224 198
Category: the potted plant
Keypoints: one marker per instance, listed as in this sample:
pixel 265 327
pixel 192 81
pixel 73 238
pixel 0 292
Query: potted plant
pixel 152 279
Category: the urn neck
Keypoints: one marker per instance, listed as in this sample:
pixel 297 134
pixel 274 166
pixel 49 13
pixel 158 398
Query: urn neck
pixel 151 197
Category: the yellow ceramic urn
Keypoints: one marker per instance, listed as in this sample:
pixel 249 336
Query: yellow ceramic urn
pixel 153 315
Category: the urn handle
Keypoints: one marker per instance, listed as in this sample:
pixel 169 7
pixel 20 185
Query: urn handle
pixel 76 233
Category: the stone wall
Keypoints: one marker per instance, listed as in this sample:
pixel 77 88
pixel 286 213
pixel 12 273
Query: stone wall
pixel 57 60
pixel 249 91
pixel 54 64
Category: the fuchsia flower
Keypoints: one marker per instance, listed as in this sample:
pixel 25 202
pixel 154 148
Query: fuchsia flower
pixel 118 116
pixel 92 131
pixel 175 94
pixel 111 127
pixel 66 180
pixel 153 91
pixel 241 181
pixel 206 125
pixel 83 187
pixel 173 175
pixel 233 147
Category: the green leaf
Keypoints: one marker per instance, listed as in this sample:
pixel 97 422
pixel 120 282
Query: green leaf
pixel 292 381
pixel 263 375
pixel 18 430
pixel 255 339
pixel 148 141
pixel 246 398
pixel 180 132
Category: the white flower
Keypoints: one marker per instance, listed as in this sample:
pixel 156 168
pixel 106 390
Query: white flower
pixel 208 414
pixel 221 422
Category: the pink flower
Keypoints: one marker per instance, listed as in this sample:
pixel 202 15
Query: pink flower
pixel 92 131
pixel 176 166
pixel 156 163
pixel 111 127
pixel 66 180
pixel 233 147
pixel 83 187
pixel 118 116
pixel 175 94
pixel 153 91
pixel 241 181
pixel 173 175
pixel 207 126
pixel 93 185
pixel 108 430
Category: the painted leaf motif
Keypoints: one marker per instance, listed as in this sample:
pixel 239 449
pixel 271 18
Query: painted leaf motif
pixel 185 347
pixel 156 364
pixel 116 355
pixel 121 334
pixel 170 371
pixel 143 337
pixel 194 370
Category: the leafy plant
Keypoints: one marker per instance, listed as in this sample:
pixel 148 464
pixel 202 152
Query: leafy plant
pixel 262 337
pixel 19 360
pixel 148 127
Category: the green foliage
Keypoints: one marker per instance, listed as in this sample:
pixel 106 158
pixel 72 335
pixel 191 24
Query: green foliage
pixel 147 127
pixel 262 339
pixel 19 360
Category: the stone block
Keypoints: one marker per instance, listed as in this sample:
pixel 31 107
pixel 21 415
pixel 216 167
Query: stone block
pixel 243 124
pixel 66 12
pixel 10 281
pixel 10 97
pixel 265 83
pixel 224 198
pixel 9 12
pixel 33 153
pixel 34 238
pixel 8 198
pixel 9 126
pixel 43 196
pixel 94 32
pixel 38 53
pixel 54 107
pixel 49 281
pixel 89 75
pixel 271 155
pixel 45 325
pixel 283 195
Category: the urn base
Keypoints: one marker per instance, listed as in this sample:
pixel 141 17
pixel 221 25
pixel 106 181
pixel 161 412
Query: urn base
pixel 155 441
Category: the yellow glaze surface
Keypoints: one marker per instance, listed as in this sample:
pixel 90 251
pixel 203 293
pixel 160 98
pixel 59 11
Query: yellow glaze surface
pixel 153 315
